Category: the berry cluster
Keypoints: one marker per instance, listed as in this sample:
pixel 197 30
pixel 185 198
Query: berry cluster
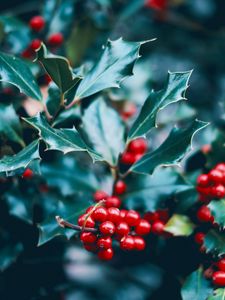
pixel 37 24
pixel 216 273
pixel 125 226
pixel 157 219
pixel 135 150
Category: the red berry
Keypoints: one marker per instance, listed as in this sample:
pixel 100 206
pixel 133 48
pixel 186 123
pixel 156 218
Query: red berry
pixel 220 167
pixel 203 180
pixel 88 237
pixel 100 195
pixel 128 158
pixel 90 247
pixel 219 278
pixel 132 218
pixel 129 111
pixel 157 227
pixel 100 214
pixel 122 229
pixel 218 191
pixel 206 148
pixel 89 209
pixel 89 223
pixel 151 216
pixel 106 254
pixel 35 44
pixel 215 176
pixel 123 213
pixel 199 238
pixel 127 243
pixel 138 156
pixel 204 214
pixel 138 146
pixel 27 53
pixel 114 215
pixel 163 215
pixel 113 201
pixel 47 79
pixel 156 4
pixel 104 242
pixel 56 39
pixel 221 264
pixel 120 187
pixel 206 191
pixel 107 228
pixel 203 198
pixel 37 23
pixel 28 173
pixel 139 243
pixel 143 227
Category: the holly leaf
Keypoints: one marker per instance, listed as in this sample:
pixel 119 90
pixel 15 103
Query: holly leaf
pixel 21 160
pixel 69 177
pixel 16 72
pixel 115 64
pixel 69 210
pixel 58 68
pixel 105 130
pixel 177 84
pixel 218 294
pixel 150 192
pixel 196 287
pixel 217 209
pixel 64 140
pixel 179 225
pixel 10 125
pixel 171 151
pixel 9 254
pixel 215 242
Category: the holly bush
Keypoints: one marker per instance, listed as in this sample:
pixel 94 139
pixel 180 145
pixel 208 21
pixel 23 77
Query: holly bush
pixel 112 168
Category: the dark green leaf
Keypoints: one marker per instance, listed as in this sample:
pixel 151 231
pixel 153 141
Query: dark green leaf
pixel 217 209
pixel 20 160
pixel 115 64
pixel 218 294
pixel 58 68
pixel 196 287
pixel 10 125
pixel 215 242
pixel 16 72
pixel 9 254
pixel 64 140
pixel 68 209
pixel 53 99
pixel 179 225
pixel 171 151
pixel 105 130
pixel 150 192
pixel 174 91
pixel 69 177
pixel 186 199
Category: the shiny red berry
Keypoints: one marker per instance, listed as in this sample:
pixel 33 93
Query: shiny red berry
pixel 219 278
pixel 127 243
pixel 37 23
pixel 100 214
pixel 139 243
pixel 143 227
pixel 114 215
pixel 132 218
pixel 221 264
pixel 199 238
pixel 104 242
pixel 138 146
pixel 113 201
pixel 89 223
pixel 120 187
pixel 28 173
pixel 128 158
pixel 123 213
pixel 35 44
pixel 215 176
pixel 157 227
pixel 89 209
pixel 122 229
pixel 204 214
pixel 129 111
pixel 156 4
pixel 203 180
pixel 88 237
pixel 100 195
pixel 151 217
pixel 56 39
pixel 106 254
pixel 220 167
pixel 218 191
pixel 107 228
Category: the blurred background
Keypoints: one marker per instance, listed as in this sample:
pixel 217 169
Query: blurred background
pixel 190 34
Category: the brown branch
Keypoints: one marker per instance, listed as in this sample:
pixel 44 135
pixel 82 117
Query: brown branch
pixel 65 224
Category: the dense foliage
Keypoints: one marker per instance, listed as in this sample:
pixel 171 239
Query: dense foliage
pixel 112 180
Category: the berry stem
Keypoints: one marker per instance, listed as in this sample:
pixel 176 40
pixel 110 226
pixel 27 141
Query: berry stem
pixel 65 224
